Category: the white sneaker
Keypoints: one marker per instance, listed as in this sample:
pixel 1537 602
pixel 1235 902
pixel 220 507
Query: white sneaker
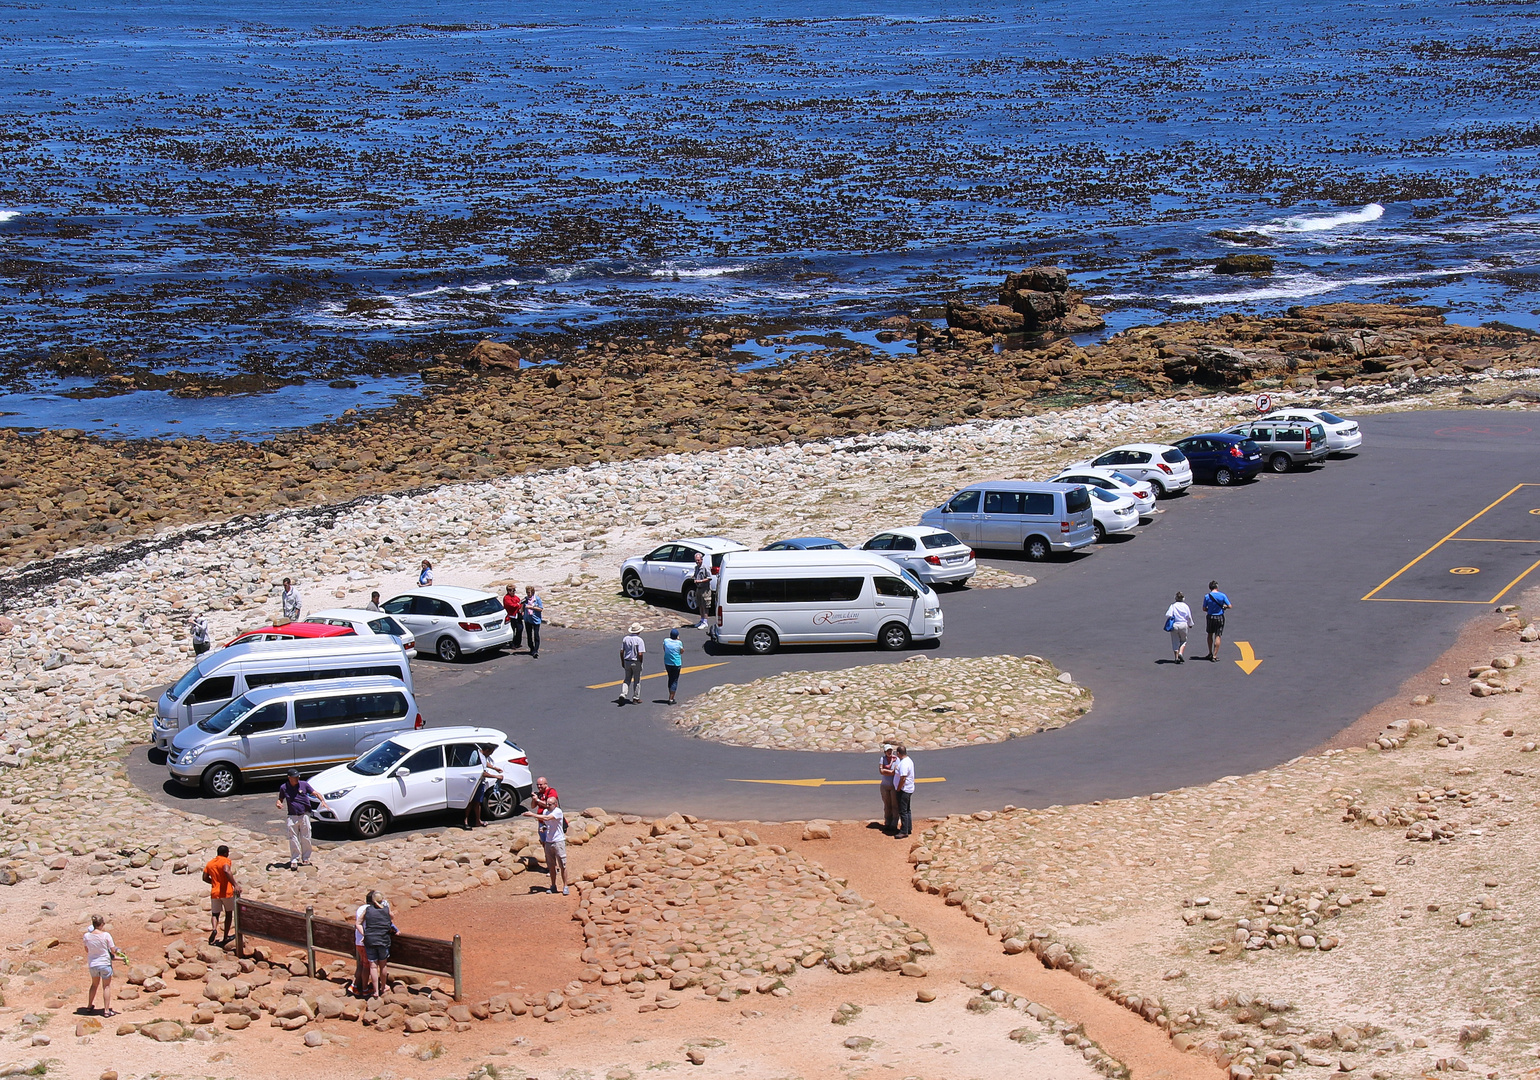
pixel 565 889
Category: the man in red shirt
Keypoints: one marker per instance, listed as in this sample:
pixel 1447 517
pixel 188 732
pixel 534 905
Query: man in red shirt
pixel 544 796
pixel 223 889
pixel 515 609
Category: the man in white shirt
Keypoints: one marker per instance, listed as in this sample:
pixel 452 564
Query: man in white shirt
pixel 633 652
pixel 903 789
pixel 290 601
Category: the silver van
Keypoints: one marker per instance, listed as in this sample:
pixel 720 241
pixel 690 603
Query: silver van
pixel 1018 515
pixel 305 726
pixel 220 677
pixel 1285 444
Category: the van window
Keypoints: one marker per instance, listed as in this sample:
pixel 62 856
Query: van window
pixel 1076 501
pixel 382 706
pixel 255 679
pixel 269 717
pixel 464 755
pixel 425 760
pixel 892 586
pixel 320 712
pixel 226 716
pixel 1038 503
pixel 487 606
pixel 1290 435
pixel 965 502
pixel 185 683
pixel 219 688
pixel 390 671
pixel 1002 502
pixel 793 590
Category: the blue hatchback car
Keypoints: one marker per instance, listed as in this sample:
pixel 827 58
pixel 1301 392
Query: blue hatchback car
pixel 1222 459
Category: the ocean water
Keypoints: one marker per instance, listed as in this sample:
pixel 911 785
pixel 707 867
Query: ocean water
pixel 309 190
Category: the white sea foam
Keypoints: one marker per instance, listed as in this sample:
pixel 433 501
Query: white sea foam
pixel 1313 223
pixel 1289 287
pixel 668 271
pixel 7 215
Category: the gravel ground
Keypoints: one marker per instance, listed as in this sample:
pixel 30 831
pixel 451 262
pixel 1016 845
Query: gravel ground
pixel 922 702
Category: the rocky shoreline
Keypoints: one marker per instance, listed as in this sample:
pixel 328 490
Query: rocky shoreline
pixel 496 410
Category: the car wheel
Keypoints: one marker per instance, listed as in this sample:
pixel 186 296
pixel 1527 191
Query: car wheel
pixel 1157 490
pixel 1101 533
pixel 1037 548
pixel 500 804
pixel 687 594
pixel 762 641
pixel 221 780
pixel 894 636
pixel 1279 463
pixel 369 821
pixel 448 649
pixel 633 587
pixel 1223 477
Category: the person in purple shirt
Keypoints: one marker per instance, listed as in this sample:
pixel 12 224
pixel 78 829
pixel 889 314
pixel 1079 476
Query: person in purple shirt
pixel 297 798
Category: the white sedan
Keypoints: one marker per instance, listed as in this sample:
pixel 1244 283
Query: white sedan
pixel 366 622
pixel 933 555
pixel 1165 467
pixel 1341 433
pixel 1112 514
pixel 431 770
pixel 1112 480
pixel 670 569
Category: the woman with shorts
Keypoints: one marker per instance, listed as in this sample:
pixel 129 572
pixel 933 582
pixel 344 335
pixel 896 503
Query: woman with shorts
pixel 100 952
pixel 491 776
pixel 377 926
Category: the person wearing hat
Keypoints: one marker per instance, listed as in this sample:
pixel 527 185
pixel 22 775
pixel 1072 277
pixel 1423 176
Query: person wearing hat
pixel 673 661
pixel 297 798
pixel 633 651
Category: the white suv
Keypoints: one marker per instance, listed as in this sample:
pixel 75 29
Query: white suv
pixel 1341 433
pixel 365 622
pixel 1165 467
pixel 669 569
pixel 449 620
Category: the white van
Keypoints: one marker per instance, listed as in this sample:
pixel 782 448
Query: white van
pixel 766 599
pixel 220 677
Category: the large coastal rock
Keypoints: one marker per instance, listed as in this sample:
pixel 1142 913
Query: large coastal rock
pixel 1033 300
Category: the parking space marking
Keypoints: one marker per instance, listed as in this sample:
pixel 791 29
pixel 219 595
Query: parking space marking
pixel 1453 537
pixel 659 675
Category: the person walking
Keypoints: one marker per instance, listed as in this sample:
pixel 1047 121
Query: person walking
pixel 374 603
pixel 290 601
pixel 700 580
pixel 199 626
pixel 297 798
pixel 1215 604
pixel 491 775
pixel 425 575
pixel 673 662
pixel 553 838
pixel 515 612
pixel 633 653
pixel 1178 619
pixel 903 790
pixel 376 925
pixel 889 792
pixel 101 951
pixel 534 615
pixel 360 986
pixel 223 889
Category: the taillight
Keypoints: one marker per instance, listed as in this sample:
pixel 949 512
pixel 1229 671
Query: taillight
pixel 720 610
pixel 934 560
pixel 1235 451
pixel 471 626
pixel 419 723
pixel 520 760
pixel 1165 468
pixel 1307 440
pixel 1064 526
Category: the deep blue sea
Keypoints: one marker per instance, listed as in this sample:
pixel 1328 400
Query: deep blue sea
pixel 296 191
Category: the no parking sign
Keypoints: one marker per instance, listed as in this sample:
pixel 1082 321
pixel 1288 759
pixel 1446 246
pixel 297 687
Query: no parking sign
pixel 1264 402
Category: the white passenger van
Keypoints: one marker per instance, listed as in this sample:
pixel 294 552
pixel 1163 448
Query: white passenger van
pixel 220 677
pixel 766 599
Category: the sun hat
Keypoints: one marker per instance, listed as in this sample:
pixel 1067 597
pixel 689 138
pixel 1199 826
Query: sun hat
pixel 636 628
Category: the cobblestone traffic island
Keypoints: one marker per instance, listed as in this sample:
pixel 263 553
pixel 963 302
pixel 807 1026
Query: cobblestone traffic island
pixel 926 704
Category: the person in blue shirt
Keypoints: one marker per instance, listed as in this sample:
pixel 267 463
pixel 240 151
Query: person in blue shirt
pixel 673 660
pixel 1215 604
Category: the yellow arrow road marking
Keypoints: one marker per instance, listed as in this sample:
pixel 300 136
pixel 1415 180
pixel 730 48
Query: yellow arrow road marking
pixel 658 675
pixel 820 782
pixel 1248 661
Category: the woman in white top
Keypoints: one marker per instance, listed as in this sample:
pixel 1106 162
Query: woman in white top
pixel 1178 619
pixel 425 577
pixel 100 951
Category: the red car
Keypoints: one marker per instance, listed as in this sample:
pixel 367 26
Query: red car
pixel 291 631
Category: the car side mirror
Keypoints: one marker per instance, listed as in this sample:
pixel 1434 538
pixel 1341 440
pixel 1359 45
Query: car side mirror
pixel 403 772
pixel 245 729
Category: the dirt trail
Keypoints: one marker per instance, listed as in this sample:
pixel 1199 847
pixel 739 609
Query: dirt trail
pixel 877 867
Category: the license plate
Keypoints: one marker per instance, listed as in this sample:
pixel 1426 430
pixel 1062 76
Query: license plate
pixel 952 560
pixel 1255 457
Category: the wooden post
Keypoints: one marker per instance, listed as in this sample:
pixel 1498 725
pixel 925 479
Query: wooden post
pixel 240 940
pixel 310 941
pixel 457 967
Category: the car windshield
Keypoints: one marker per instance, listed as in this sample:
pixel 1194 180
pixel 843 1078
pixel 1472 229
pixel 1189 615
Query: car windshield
pixel 483 607
pixel 940 540
pixel 379 760
pixel 1103 495
pixel 916 582
pixel 1173 456
pixel 1331 418
pixel 1124 478
pixel 225 718
pixel 185 683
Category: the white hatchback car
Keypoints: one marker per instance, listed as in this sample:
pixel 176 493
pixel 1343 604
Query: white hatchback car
pixel 1114 481
pixel 365 622
pixel 449 620
pixel 1164 466
pixel 669 569
pixel 1112 513
pixel 423 772
pixel 1341 433
pixel 933 555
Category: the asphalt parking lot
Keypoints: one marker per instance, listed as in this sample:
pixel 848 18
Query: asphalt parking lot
pixel 1346 578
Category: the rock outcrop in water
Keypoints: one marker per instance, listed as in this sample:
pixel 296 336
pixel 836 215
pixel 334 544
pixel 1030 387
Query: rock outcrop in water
pixel 1032 301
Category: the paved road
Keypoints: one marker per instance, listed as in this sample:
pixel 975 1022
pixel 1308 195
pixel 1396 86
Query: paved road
pixel 1296 553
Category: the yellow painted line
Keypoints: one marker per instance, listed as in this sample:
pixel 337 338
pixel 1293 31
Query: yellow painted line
pixel 1418 600
pixel 1370 594
pixel 1248 661
pixel 659 675
pixel 1514 582
pixel 1488 540
pixel 820 782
